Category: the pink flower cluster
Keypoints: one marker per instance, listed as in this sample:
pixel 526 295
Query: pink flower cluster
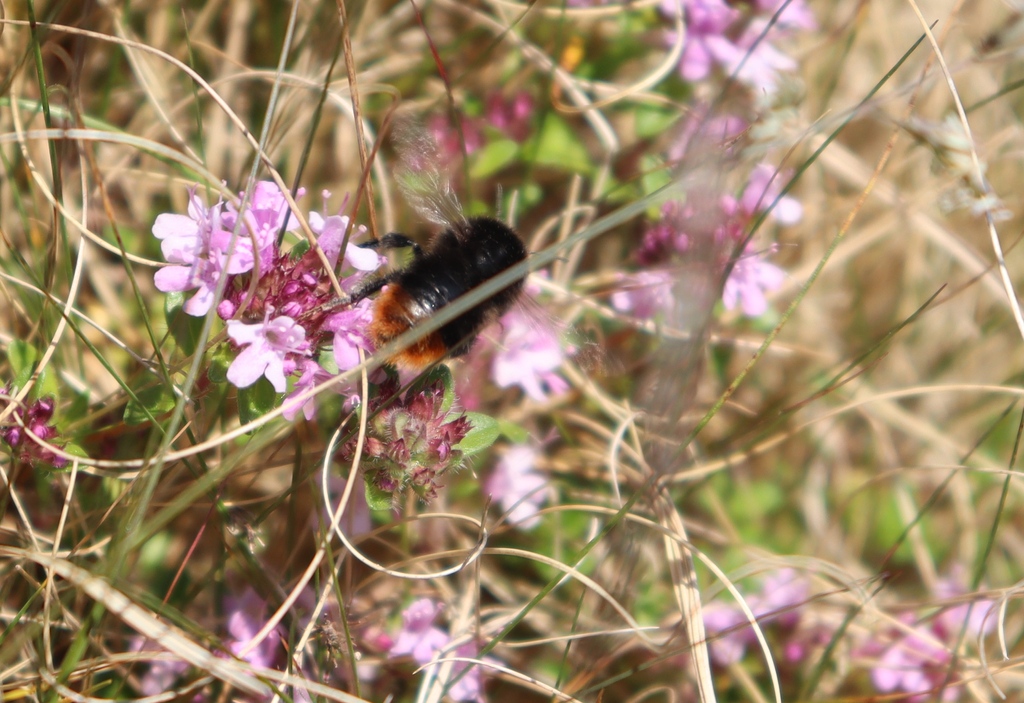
pixel 512 116
pixel 778 604
pixel 279 305
pixel 518 486
pixel 917 659
pixel 411 441
pixel 36 419
pixel 420 639
pixel 528 355
pixel 738 37
pixel 647 293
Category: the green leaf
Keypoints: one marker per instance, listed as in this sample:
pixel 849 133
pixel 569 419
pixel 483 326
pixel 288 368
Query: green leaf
pixel 152 557
pixel 46 385
pixel 184 328
pixel 517 434
pixel 22 357
pixel 484 433
pixel 153 402
pixel 75 450
pixel 558 145
pixel 524 198
pixel 220 360
pixel 256 400
pixel 493 157
pixel 656 176
pixel 653 120
pixel 376 498
pixel 78 406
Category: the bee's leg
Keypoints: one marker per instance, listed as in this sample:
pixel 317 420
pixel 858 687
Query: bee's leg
pixel 368 288
pixel 393 240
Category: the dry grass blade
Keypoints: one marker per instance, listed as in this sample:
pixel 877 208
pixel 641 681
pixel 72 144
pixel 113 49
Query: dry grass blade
pixel 144 622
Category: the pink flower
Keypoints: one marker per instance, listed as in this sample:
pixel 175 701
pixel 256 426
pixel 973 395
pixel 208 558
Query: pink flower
pixel 918 662
pixel 645 294
pixel 470 686
pixel 729 632
pixel 781 592
pixel 269 345
pixel 448 140
pixel 511 116
pixel 527 356
pixel 763 188
pixel 518 486
pixel 199 245
pixel 748 281
pixel 311 375
pixel 162 672
pixel 707 43
pixel 330 231
pixel 795 15
pixel 350 333
pixel 715 36
pixel 266 216
pixel 245 619
pixel 760 63
pixel 426 643
pixel 914 664
pixel 776 604
pixel 979 616
pixel 418 637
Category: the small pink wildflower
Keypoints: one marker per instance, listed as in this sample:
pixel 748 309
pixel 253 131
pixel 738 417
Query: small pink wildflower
pixel 781 592
pixel 729 632
pixel 763 188
pixel 748 281
pixel 511 116
pixel 424 642
pixel 245 618
pixel 199 245
pixel 330 231
pixel 776 603
pixel 269 348
pixel 796 15
pixel 470 686
pixel 418 637
pixel 527 356
pixel 707 42
pixel 265 216
pixel 350 333
pixel 518 486
pixel 644 294
pixel 311 374
pixel 918 663
pixel 161 673
pixel 36 418
pixel 448 140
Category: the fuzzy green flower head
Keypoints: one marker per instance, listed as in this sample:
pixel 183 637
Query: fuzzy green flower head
pixel 411 442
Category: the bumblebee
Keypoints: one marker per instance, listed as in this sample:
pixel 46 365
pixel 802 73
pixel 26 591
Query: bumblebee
pixel 463 256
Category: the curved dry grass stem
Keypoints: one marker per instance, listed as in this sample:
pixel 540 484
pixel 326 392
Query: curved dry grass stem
pixel 979 171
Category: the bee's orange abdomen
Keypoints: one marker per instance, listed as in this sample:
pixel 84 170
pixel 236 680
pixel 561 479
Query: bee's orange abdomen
pixel 394 313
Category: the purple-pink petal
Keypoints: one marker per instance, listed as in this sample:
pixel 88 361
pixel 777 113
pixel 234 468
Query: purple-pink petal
pixel 173 279
pixel 249 365
pixel 173 225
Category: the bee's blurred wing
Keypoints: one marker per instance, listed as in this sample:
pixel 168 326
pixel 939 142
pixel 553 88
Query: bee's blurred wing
pixel 668 392
pixel 423 175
